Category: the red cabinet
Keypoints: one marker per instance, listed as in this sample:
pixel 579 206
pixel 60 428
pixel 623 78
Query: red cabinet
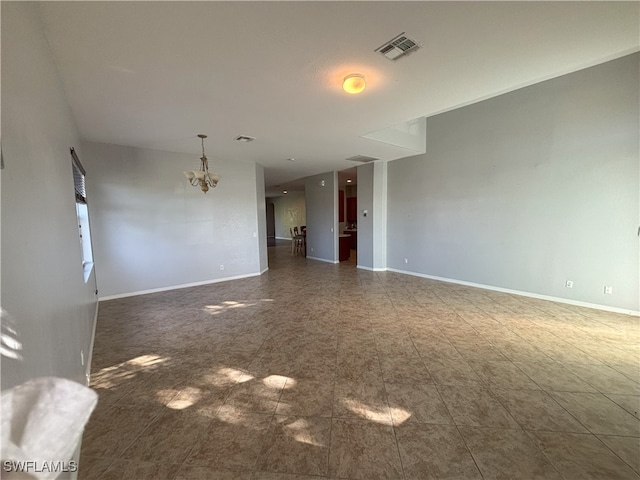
pixel 345 251
pixel 352 209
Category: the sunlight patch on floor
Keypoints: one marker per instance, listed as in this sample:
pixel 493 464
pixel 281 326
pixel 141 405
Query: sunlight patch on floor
pixel 239 376
pixel 278 381
pixel 165 395
pixel 226 305
pixel 399 415
pixel 299 431
pixel 226 377
pixel 112 376
pixel 187 398
pixel 375 414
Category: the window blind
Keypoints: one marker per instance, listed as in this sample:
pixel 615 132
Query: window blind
pixel 78 179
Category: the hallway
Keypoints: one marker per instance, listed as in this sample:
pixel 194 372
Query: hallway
pixel 315 370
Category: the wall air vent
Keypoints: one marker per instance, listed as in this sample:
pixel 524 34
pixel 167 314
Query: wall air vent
pixel 398 47
pixel 245 138
pixel 362 159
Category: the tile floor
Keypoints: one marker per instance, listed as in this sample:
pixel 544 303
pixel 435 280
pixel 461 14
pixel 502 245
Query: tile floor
pixel 315 370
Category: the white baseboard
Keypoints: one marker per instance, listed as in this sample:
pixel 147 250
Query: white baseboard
pixel 176 287
pixel 87 373
pixel 395 270
pixel 322 259
pixel 284 238
pixel 362 267
pixel 567 301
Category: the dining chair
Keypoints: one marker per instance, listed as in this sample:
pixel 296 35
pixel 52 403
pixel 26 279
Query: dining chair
pixel 297 242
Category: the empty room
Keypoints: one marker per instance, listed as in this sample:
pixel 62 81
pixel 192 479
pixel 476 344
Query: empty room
pixel 320 240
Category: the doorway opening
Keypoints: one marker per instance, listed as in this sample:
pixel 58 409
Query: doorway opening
pixel 348 215
pixel 271 223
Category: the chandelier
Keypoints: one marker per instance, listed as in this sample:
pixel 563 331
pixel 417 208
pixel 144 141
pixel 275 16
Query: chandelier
pixel 202 178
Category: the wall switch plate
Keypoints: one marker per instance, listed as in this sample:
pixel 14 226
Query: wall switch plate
pixel 608 290
pixel 331 229
pixel 406 260
pixel 568 284
pixel 221 267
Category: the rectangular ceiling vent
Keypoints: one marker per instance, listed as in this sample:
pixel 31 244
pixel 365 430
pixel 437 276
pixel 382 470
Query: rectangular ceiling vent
pixel 398 47
pixel 362 158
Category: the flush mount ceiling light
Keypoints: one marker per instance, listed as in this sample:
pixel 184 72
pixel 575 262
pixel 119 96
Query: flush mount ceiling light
pixel 202 178
pixel 354 83
pixel 348 180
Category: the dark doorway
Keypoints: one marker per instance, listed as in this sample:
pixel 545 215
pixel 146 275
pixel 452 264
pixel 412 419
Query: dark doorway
pixel 271 223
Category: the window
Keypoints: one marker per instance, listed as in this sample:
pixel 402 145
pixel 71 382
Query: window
pixel 82 211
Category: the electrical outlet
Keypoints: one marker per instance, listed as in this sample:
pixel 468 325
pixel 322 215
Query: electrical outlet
pixel 312 249
pixel 406 260
pixel 608 290
pixel 221 267
pixel 568 284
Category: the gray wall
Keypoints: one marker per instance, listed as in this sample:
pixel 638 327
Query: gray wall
pixel 44 295
pixel 290 211
pixel 262 219
pixel 372 229
pixel 529 189
pixel 365 224
pixel 322 216
pixel 153 230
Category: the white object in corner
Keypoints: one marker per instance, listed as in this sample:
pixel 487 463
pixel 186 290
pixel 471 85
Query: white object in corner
pixel 51 414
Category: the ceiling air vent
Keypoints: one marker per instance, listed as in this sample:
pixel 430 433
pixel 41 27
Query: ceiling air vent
pixel 245 138
pixel 362 158
pixel 398 47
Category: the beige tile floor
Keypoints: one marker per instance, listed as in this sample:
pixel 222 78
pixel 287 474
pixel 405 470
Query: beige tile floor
pixel 315 370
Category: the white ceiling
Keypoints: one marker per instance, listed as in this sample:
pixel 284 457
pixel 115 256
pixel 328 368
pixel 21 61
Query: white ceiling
pixel 155 74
